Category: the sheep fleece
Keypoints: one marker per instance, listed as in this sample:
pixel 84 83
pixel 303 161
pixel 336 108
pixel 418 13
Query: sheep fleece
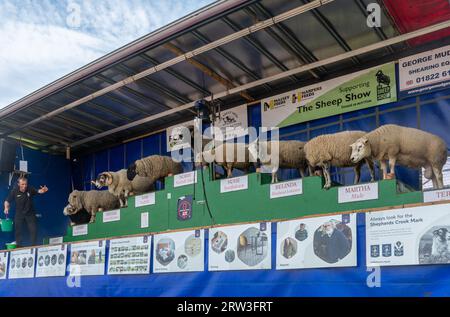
pixel 93 200
pixel 157 167
pixel 291 153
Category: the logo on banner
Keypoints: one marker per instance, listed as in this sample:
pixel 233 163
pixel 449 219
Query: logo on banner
pixel 383 87
pixel 184 209
pixel 387 250
pixel 398 249
pixel 374 251
pixel 345 218
pixel 145 239
pixel 262 226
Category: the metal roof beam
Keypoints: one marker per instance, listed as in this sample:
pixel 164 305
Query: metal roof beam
pixel 297 70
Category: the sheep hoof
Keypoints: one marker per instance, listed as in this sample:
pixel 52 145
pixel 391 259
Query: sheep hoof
pixel 72 224
pixel 327 186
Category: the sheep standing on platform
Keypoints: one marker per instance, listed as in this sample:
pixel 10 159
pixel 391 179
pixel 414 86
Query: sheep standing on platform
pixel 334 150
pixel 93 201
pixel 154 167
pixel 406 146
pixel 290 155
pixel 119 185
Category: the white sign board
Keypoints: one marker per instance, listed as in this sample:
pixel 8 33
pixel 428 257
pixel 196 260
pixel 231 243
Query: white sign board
pixel 436 195
pixel 21 264
pixel 425 72
pixel 87 258
pixel 328 241
pixel 129 255
pixel 179 252
pixel 233 123
pixel 56 240
pixel 233 184
pixel 4 256
pixel 241 247
pixel 284 189
pixel 144 200
pixel 80 230
pixel 184 179
pixel 144 220
pixel 408 236
pixel 51 261
pixel 360 192
pixel 111 215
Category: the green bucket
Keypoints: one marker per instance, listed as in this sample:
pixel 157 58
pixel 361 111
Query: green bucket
pixel 7 225
pixel 10 246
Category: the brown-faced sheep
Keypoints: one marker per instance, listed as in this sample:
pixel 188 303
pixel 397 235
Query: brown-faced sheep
pixel 154 167
pixel 290 155
pixel 334 150
pixel 119 185
pixel 93 201
pixel 406 146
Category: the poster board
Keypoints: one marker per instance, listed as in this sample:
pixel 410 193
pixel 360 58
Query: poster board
pixel 4 256
pixel 87 258
pixel 51 261
pixel 21 264
pixel 129 255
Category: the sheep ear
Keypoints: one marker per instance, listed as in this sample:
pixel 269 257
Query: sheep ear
pixel 365 140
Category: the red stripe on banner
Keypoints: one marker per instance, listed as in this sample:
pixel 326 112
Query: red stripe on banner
pixel 411 15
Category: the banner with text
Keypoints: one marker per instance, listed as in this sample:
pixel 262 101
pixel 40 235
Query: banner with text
pixel 4 256
pixel 328 241
pixel 51 261
pixel 21 264
pixel 87 258
pixel 408 236
pixel 360 90
pixel 129 255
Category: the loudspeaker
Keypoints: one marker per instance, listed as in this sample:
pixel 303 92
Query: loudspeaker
pixel 7 155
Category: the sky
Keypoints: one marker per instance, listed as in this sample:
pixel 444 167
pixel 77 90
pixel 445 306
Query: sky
pixel 43 40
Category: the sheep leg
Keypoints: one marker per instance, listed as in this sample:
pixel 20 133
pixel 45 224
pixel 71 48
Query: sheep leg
pixel 72 224
pixel 384 168
pixel 392 161
pixel 437 173
pixel 371 169
pixel 357 170
pixel 229 170
pixel 302 172
pixel 93 212
pixel 311 170
pixel 326 174
pixel 274 175
pixel 126 194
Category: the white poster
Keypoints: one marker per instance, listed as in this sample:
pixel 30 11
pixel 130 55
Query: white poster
pixel 241 247
pixel 51 261
pixel 284 189
pixel 4 256
pixel 144 200
pixel 360 192
pixel 80 230
pixel 233 123
pixel 184 179
pixel 408 236
pixel 56 240
pixel 178 136
pixel 111 215
pixel 234 184
pixel 436 195
pixel 425 72
pixel 179 252
pixel 87 258
pixel 328 241
pixel 129 255
pixel 21 264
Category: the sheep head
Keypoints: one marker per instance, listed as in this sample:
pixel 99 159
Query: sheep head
pixel 103 179
pixel 69 210
pixel 131 171
pixel 360 150
pixel 75 201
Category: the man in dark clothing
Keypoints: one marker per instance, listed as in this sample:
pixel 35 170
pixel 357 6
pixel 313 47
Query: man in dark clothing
pixel 330 244
pixel 22 195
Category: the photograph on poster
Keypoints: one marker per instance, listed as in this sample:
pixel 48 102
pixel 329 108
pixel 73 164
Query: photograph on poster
pixel 328 241
pixel 51 261
pixel 129 255
pixel 3 265
pixel 241 247
pixel 179 252
pixel 409 236
pixel 87 258
pixel 21 263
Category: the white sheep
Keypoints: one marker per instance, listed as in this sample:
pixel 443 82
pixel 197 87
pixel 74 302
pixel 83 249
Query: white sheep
pixel 334 150
pixel 119 185
pixel 93 201
pixel 229 155
pixel 290 154
pixel 154 167
pixel 406 146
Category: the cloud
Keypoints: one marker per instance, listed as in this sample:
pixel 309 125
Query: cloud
pixel 44 40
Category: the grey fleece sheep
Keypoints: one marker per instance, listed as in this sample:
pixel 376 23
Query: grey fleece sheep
pixel 406 146
pixel 334 150
pixel 290 155
pixel 119 185
pixel 154 167
pixel 93 201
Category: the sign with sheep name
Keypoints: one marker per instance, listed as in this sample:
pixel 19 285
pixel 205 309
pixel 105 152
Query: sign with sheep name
pixel 408 236
pixel 436 195
pixel 241 247
pixel 56 240
pixel 233 184
pixel 328 241
pixel 87 258
pixel 179 252
pixel 184 179
pixel 425 72
pixel 129 255
pixel 233 123
pixel 144 200
pixel 111 215
pixel 284 189
pixel 178 137
pixel 367 88
pixel 144 220
pixel 80 230
pixel 4 256
pixel 21 264
pixel 51 261
pixel 348 194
